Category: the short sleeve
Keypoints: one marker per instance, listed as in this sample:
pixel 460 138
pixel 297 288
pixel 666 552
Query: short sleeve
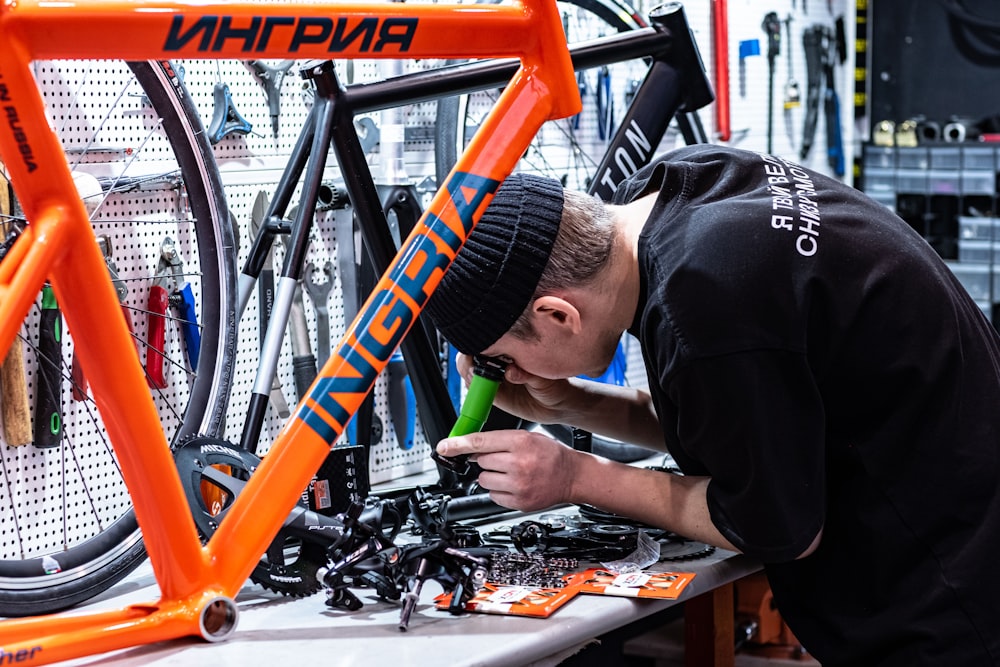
pixel 754 422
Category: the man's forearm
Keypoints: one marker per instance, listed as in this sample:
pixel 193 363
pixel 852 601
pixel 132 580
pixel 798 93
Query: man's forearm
pixel 622 413
pixel 672 502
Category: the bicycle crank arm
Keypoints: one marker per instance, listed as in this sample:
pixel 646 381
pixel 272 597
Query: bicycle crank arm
pixel 213 472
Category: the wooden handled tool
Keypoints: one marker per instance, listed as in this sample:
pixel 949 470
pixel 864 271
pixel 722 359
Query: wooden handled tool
pixel 14 403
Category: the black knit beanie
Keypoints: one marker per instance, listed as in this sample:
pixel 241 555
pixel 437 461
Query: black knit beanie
pixel 495 274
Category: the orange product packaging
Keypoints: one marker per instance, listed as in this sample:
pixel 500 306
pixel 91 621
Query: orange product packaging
pixel 515 600
pixel 660 585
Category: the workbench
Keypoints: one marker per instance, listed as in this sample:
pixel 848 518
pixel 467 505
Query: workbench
pixel 273 629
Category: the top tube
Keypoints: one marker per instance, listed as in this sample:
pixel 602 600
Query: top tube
pixel 155 29
pixel 529 30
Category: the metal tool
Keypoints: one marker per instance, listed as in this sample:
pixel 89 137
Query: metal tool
pixel 265 293
pixel 168 291
pixel 319 293
pixel 402 401
pixel 819 44
pixel 226 119
pixel 303 360
pixel 271 79
pixel 48 378
pixel 792 96
pixel 748 47
pixel 79 381
pixel 772 28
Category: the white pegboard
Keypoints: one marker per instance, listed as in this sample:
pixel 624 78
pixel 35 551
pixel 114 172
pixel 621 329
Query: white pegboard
pixel 54 497
pixel 77 93
pixel 252 163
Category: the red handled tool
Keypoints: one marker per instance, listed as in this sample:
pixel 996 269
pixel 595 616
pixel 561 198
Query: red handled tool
pixel 169 290
pixel 720 39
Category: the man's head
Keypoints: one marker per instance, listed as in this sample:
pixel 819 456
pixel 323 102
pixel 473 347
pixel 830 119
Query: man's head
pixel 533 239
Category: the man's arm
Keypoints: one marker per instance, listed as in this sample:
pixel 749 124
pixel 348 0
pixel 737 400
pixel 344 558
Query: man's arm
pixel 531 472
pixel 623 413
pixel 674 502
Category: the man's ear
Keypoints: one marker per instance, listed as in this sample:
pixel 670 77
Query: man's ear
pixel 557 313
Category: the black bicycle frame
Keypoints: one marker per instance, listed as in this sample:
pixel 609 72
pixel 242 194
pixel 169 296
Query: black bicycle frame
pixel 675 86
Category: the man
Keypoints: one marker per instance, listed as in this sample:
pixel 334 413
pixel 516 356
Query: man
pixel 828 388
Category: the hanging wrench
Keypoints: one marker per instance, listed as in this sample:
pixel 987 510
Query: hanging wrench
pixel 318 294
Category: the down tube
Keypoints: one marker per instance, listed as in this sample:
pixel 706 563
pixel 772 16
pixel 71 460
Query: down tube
pixel 377 331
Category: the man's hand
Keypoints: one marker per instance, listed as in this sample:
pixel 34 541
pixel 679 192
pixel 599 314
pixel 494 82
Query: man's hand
pixel 521 470
pixel 624 413
pixel 525 395
pixel 531 472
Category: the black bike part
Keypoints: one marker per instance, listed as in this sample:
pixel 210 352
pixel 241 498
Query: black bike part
pixel 679 82
pixel 213 472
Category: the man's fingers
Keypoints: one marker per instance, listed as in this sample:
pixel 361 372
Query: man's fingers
pixel 466 444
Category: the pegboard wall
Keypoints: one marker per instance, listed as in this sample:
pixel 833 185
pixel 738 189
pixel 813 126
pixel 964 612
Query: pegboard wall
pixel 54 496
pixel 252 162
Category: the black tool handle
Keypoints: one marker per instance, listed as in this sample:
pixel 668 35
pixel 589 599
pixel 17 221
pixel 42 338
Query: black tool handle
pixel 48 386
pixel 304 372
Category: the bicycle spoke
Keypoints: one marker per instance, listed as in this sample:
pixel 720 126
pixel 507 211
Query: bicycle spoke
pixel 67 530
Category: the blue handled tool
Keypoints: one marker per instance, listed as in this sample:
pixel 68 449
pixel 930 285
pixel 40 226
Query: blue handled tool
pixel 226 119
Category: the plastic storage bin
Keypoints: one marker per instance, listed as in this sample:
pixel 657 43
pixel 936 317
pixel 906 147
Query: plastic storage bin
pixel 977 279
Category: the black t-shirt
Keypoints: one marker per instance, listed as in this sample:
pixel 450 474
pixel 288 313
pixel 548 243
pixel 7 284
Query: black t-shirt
pixel 808 351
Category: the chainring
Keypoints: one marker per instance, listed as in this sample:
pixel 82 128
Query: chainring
pixel 680 549
pixel 213 472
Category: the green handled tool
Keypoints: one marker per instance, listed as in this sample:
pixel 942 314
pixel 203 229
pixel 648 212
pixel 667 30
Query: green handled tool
pixel 48 390
pixel 487 374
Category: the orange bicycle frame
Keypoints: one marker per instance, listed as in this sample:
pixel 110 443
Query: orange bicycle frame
pixel 198 582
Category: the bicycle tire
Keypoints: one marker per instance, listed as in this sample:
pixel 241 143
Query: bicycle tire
pixel 48 573
pixel 454 123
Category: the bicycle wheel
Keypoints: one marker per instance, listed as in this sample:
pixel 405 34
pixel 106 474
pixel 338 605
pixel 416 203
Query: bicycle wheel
pixel 67 531
pixel 568 149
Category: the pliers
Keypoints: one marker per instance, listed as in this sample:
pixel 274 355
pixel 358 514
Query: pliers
pixel 169 289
